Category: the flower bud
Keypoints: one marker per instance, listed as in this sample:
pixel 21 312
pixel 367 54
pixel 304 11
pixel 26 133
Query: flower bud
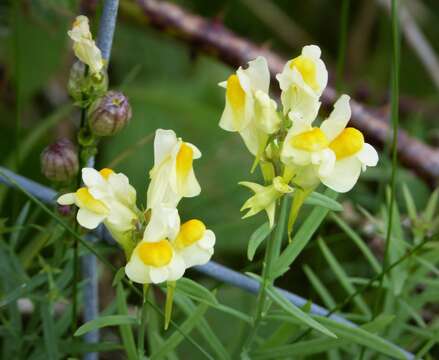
pixel 109 114
pixel 64 210
pixel 59 161
pixel 83 87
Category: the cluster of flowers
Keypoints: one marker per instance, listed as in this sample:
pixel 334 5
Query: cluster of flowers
pixel 158 247
pixel 287 142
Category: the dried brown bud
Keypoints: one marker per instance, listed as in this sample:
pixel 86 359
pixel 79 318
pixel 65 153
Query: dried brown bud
pixel 109 114
pixel 59 161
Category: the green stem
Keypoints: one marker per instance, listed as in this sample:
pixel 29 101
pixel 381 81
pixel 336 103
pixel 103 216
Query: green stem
pixel 394 116
pixel 142 323
pixel 75 240
pixel 271 253
pixel 342 43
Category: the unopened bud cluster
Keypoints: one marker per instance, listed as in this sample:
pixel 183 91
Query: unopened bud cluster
pixel 59 161
pixel 85 87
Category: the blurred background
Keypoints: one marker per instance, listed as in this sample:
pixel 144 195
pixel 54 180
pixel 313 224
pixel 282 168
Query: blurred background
pixel 171 85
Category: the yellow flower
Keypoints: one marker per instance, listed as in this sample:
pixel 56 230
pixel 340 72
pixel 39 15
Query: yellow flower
pixel 306 151
pixel 172 176
pixel 194 243
pixel 168 249
pixel 351 152
pixel 249 110
pixel 302 81
pixel 265 197
pixel 106 197
pixel 83 45
pixel 154 259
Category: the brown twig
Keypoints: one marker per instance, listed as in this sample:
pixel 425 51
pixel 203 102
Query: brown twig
pixel 213 38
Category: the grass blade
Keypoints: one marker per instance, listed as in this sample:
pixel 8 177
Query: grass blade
pixel 104 321
pixel 296 312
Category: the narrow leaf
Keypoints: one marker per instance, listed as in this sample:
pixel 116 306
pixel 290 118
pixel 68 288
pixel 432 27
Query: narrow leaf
pixel 104 321
pixel 302 237
pixel 318 199
pixel 126 332
pixel 50 336
pixel 256 239
pixel 177 336
pixel 296 312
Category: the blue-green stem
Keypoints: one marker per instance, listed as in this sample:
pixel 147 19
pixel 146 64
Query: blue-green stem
pixel 142 323
pixel 271 253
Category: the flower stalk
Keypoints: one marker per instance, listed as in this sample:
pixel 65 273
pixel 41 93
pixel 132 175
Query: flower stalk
pixel 142 322
pixel 271 253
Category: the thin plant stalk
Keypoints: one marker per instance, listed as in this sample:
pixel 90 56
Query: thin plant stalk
pixel 269 257
pixel 395 123
pixel 142 323
pixel 342 43
pixel 76 275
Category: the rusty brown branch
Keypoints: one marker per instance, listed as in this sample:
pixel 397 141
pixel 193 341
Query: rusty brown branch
pixel 213 38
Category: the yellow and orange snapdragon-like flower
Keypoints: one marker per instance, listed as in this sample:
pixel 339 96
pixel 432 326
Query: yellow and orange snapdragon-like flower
pixel 169 248
pixel 172 176
pixel 248 108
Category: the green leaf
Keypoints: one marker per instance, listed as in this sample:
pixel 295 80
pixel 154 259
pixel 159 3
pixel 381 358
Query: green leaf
pixel 118 277
pixel 126 332
pixel 342 276
pixel 318 199
pixel 71 347
pixel 363 337
pixel 281 335
pixel 409 202
pixel 104 321
pixel 177 336
pixel 430 209
pixel 318 286
pixel 23 289
pixel 203 327
pixel 50 336
pixel 370 257
pixel 316 346
pixel 256 239
pixel 302 237
pixel 195 291
pixel 397 248
pixel 296 312
pixel 22 216
pixel 303 348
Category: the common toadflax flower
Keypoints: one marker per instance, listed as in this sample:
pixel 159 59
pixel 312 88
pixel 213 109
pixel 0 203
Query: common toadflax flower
pixel 351 152
pixel 84 46
pixel 295 153
pixel 168 248
pixel 154 259
pixel 172 176
pixel 249 110
pixel 106 197
pixel 302 81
